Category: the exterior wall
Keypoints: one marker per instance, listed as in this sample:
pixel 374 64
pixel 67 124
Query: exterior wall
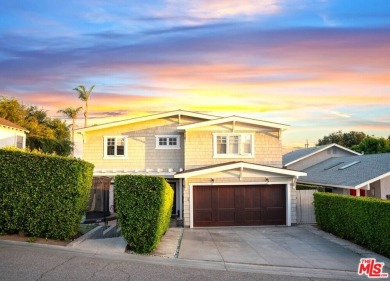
pixel 375 189
pixel 342 191
pixel 319 157
pixel 293 193
pixel 199 148
pixel 385 187
pixel 141 146
pixel 8 137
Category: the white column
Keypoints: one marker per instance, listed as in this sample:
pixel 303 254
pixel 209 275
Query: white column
pixel 181 199
pixel 191 207
pixel 288 205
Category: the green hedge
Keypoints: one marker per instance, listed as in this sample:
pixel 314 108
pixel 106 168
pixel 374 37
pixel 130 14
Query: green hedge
pixel 42 195
pixel 144 207
pixel 363 220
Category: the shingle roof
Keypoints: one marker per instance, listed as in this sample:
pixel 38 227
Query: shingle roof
pixel 301 153
pixel 364 170
pixel 6 123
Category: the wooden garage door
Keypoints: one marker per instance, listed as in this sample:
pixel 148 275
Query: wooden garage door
pixel 239 205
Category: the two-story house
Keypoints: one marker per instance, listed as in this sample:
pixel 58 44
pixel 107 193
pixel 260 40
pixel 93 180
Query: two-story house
pixel 12 134
pixel 226 171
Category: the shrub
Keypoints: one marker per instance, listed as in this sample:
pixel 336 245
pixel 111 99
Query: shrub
pixel 144 207
pixel 43 196
pixel 49 146
pixel 363 220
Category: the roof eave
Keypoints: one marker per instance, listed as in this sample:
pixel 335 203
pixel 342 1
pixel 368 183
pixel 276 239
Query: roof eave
pixel 257 167
pixel 222 120
pixel 147 118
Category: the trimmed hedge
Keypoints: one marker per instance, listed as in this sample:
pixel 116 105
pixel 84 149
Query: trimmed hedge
pixel 144 207
pixel 363 220
pixel 41 195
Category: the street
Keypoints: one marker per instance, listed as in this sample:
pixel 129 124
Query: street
pixel 22 261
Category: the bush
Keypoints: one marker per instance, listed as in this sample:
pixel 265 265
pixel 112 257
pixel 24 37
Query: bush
pixel 363 220
pixel 43 196
pixel 144 207
pixel 49 146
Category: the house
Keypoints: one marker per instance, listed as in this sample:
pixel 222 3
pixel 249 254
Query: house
pixel 12 134
pixel 226 171
pixel 360 175
pixel 304 158
pixel 341 170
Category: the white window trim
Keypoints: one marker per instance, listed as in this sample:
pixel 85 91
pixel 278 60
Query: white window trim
pixel 215 155
pixel 177 146
pixel 105 156
pixel 23 141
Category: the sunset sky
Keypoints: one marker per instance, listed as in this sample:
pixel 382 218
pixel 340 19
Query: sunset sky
pixel 319 66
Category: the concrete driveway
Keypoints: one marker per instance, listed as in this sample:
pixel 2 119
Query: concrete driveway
pixel 295 246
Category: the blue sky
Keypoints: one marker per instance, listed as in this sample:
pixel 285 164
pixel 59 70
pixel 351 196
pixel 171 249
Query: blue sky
pixel 319 66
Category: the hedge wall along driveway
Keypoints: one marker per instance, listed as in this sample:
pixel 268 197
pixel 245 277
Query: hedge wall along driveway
pixel 144 208
pixel 42 195
pixel 365 221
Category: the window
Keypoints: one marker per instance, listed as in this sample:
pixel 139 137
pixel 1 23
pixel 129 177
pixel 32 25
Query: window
pixel 168 142
pixel 115 147
pixel 233 145
pixel 19 141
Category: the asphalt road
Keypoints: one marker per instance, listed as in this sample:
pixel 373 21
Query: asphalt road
pixel 31 262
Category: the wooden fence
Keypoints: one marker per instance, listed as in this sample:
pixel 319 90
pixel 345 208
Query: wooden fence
pixel 305 207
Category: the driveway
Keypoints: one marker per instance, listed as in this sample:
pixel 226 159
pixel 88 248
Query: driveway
pixel 280 246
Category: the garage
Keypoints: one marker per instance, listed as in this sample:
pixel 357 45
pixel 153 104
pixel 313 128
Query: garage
pixel 239 205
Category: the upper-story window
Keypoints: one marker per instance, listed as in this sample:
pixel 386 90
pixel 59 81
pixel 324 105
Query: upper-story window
pixel 115 146
pixel 234 145
pixel 20 142
pixel 168 142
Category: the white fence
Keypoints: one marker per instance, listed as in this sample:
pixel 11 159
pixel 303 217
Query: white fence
pixel 305 207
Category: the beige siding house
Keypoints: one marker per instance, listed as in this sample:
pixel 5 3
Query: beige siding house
pixel 12 134
pixel 226 171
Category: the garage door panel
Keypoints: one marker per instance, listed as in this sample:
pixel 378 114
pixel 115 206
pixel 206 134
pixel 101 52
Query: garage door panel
pixel 252 195
pixel 203 212
pixel 239 205
pixel 226 197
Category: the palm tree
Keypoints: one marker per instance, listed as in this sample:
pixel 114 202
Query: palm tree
pixel 71 113
pixel 84 96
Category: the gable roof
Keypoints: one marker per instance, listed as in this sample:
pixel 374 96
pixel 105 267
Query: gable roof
pixel 9 124
pixel 233 119
pixel 349 172
pixel 236 165
pixel 300 154
pixel 147 118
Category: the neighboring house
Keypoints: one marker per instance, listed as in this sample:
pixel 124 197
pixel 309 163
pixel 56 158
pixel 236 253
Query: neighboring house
pixel 304 158
pixel 341 170
pixel 360 175
pixel 12 134
pixel 225 171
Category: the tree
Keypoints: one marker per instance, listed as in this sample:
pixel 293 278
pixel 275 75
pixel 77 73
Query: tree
pixel 72 114
pixel 373 145
pixel 84 96
pixel 48 135
pixel 12 110
pixel 345 139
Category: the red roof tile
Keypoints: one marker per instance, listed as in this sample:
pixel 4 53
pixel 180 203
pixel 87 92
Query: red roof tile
pixel 5 122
